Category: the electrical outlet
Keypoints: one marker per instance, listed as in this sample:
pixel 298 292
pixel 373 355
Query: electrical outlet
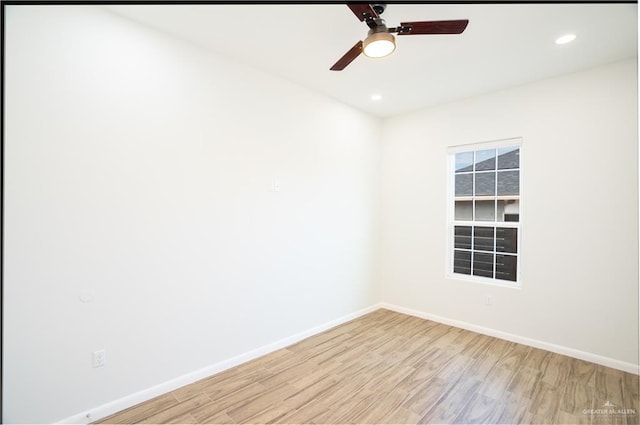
pixel 99 358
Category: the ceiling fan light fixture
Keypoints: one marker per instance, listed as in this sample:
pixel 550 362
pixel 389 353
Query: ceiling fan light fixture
pixel 379 44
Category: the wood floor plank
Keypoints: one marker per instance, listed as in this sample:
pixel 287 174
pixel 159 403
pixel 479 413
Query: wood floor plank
pixel 400 416
pixel 512 410
pixel 184 419
pixel 270 415
pixel 513 357
pixel 346 387
pixel 308 412
pixel 609 396
pixel 538 359
pixel 188 391
pixel 258 404
pixel 217 418
pixel 454 368
pixel 631 391
pixel 489 355
pixel 426 395
pixel 557 370
pixel 450 405
pixel 226 384
pixel 178 410
pixel 577 397
pixel 222 401
pixel 235 376
pixel 140 412
pixel 471 344
pixel 583 372
pixel 389 378
pixel 545 405
pixel 386 409
pixel 316 375
pixel 304 414
pixel 524 382
pixel 577 419
pixel 387 367
pixel 609 385
pixel 288 374
pixel 350 410
pixel 312 392
pixel 479 410
pixel 495 385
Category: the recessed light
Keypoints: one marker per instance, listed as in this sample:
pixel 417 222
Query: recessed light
pixel 567 38
pixel 376 96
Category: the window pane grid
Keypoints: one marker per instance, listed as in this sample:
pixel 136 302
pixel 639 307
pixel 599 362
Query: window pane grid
pixel 486 213
pixel 487 251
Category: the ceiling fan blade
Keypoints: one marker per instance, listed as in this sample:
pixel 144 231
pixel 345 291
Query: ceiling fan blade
pixel 362 10
pixel 348 57
pixel 433 27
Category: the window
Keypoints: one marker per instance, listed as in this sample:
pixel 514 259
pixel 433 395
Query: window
pixel 484 213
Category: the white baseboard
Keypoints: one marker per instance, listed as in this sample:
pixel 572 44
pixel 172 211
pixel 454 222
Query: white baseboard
pixel 571 352
pixel 112 407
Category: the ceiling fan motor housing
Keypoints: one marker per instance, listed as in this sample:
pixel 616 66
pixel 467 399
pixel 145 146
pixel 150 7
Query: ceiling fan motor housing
pixel 379 8
pixel 379 27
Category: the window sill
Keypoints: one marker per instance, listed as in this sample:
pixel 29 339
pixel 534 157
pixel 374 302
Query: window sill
pixel 484 280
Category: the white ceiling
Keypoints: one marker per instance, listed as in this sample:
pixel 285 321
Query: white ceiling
pixel 504 45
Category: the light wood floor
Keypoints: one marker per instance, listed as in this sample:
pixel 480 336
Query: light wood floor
pixel 387 367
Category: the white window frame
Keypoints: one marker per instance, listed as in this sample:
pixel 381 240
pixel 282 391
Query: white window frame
pixel 451 222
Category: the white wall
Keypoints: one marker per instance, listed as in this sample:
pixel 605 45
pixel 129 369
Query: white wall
pixel 579 247
pixel 137 172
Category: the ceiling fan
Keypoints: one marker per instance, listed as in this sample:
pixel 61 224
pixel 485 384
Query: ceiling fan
pixel 380 41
